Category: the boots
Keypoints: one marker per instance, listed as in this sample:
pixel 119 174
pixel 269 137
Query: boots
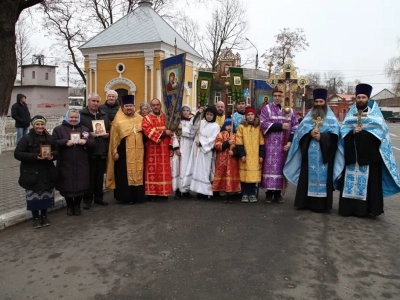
pixel 70 206
pixel 268 197
pixel 77 206
pixel 178 194
pixel 278 197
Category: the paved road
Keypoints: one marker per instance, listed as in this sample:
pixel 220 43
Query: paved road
pixel 186 249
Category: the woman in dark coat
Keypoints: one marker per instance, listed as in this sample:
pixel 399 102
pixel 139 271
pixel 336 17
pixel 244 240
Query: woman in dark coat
pixel 37 171
pixel 73 140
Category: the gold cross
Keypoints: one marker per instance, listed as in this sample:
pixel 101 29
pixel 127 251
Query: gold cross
pixel 318 122
pixel 359 115
pixel 134 129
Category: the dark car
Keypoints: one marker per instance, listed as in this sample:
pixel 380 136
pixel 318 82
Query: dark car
pixel 393 119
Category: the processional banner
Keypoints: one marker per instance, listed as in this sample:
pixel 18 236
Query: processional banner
pixel 204 83
pixel 236 76
pixel 262 93
pixel 173 78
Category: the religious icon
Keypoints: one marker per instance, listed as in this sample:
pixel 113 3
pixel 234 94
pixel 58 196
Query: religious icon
pixel 75 137
pixel 204 84
pixel 288 67
pixel 98 127
pixel 172 82
pixel 265 99
pixel 237 80
pixel 225 70
pixel 45 151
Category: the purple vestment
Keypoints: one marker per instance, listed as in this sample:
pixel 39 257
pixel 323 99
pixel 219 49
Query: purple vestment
pixel 272 174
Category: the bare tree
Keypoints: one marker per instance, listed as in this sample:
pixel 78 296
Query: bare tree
pixel 315 80
pixel 188 29
pixel 334 81
pixel 64 21
pixel 227 29
pixel 10 11
pixel 23 46
pixel 288 44
pixel 392 70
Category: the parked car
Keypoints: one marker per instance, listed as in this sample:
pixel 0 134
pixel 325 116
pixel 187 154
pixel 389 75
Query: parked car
pixel 393 119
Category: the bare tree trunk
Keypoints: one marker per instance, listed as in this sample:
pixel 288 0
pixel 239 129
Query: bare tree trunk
pixel 9 13
pixel 8 60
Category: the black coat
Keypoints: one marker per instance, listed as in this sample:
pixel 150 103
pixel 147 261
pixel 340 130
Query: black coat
pixel 20 113
pixel 73 162
pixel 110 110
pixel 36 175
pixel 101 148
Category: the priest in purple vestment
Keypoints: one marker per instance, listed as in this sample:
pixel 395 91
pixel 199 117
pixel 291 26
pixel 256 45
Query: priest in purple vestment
pixel 275 125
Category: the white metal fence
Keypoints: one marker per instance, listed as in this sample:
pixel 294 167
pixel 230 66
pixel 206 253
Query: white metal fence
pixel 8 139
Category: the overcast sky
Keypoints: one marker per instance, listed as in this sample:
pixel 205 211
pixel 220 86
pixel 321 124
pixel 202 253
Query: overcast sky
pixel 356 37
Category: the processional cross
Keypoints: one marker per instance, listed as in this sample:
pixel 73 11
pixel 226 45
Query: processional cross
pixel 318 121
pixel 359 115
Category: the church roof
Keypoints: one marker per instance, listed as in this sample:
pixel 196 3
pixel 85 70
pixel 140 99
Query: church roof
pixel 141 26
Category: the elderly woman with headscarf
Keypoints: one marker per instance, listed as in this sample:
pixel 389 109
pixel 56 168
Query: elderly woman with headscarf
pixel 144 109
pixel 37 150
pixel 111 106
pixel 73 140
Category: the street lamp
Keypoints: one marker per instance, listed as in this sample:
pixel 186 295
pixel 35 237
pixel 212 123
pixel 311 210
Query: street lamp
pixel 256 54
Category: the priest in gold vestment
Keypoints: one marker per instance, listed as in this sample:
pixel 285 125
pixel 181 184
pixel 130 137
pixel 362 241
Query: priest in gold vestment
pixel 125 154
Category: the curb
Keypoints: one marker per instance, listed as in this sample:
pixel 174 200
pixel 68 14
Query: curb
pixel 21 215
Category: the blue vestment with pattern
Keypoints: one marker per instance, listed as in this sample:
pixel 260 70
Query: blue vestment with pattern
pixel 317 169
pixel 356 177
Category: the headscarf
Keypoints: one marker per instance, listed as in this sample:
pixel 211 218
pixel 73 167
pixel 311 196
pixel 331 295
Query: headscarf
pixel 67 115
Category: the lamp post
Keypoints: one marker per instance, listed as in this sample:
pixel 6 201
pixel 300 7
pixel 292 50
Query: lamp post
pixel 256 54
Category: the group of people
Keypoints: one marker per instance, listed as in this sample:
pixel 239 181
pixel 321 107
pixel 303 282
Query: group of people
pixel 211 154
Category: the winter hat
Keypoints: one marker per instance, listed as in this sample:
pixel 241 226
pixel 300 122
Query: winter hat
pixel 38 118
pixel 249 110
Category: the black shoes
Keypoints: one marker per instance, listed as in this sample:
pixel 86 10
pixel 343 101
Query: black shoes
pixel 45 221
pixel 77 210
pixel 70 211
pixel 37 223
pixel 101 202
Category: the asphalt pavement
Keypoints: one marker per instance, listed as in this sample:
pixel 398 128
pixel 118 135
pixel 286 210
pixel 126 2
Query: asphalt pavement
pixel 188 249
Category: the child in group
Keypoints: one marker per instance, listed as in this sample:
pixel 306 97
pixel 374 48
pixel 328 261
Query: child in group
pixel 250 150
pixel 226 178
pixel 199 173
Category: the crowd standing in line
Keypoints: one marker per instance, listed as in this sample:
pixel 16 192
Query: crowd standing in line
pixel 208 154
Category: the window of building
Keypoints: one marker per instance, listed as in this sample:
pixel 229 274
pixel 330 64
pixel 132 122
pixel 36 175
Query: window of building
pixel 47 76
pixel 33 74
pixel 230 100
pixel 22 71
pixel 217 96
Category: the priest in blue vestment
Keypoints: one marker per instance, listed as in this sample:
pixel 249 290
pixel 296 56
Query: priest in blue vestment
pixel 371 171
pixel 310 161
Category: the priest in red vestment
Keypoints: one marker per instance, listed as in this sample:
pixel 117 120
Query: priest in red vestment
pixel 158 148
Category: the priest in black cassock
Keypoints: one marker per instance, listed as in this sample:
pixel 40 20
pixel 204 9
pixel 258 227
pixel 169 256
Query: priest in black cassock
pixel 371 172
pixel 125 156
pixel 310 161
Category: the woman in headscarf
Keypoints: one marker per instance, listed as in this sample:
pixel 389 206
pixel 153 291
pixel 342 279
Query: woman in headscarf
pixel 73 140
pixel 37 150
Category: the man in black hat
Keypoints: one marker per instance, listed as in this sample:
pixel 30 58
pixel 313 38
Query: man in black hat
pixel 20 113
pixel 310 161
pixel 370 171
pixel 125 168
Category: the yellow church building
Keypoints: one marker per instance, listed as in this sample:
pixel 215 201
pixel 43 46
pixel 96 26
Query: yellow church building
pixel 126 57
